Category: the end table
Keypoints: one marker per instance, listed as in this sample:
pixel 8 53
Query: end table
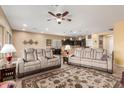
pixel 8 72
pixel 65 60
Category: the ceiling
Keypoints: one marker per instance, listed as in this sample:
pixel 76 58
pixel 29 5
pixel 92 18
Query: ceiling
pixel 86 19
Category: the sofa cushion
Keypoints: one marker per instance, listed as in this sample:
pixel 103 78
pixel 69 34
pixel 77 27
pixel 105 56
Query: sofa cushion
pixel 29 54
pixel 32 63
pixel 98 54
pixel 44 52
pixel 99 61
pixel 77 52
pixel 87 53
pixel 74 58
pixel 49 53
pixel 40 53
pixel 86 59
pixel 82 53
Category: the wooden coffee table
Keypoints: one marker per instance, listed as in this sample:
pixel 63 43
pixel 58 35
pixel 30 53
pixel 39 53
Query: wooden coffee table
pixel 8 72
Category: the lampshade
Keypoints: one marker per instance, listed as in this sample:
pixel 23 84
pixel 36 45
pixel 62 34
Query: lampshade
pixel 67 47
pixel 58 20
pixel 8 48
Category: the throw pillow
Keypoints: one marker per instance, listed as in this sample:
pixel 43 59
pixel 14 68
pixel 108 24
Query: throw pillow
pixel 104 57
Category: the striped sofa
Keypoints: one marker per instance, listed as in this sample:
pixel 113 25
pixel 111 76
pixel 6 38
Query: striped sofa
pixel 93 58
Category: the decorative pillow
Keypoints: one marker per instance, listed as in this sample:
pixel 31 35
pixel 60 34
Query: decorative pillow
pixel 104 58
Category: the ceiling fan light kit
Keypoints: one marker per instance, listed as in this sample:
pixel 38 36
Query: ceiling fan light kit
pixel 60 17
pixel 59 20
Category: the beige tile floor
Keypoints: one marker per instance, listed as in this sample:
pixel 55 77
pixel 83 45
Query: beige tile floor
pixel 117 72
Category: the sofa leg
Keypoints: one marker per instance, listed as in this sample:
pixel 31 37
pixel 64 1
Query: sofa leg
pixel 110 71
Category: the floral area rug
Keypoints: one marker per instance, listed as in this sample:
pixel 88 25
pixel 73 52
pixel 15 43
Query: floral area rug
pixel 72 77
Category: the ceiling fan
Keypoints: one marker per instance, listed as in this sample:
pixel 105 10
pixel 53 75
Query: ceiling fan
pixel 60 16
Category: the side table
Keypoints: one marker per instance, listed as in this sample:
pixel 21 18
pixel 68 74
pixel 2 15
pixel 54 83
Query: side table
pixel 65 60
pixel 122 79
pixel 8 72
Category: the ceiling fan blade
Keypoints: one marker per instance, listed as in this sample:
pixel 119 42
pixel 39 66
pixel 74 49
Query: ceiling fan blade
pixel 65 13
pixel 69 19
pixel 49 19
pixel 52 14
pixel 63 18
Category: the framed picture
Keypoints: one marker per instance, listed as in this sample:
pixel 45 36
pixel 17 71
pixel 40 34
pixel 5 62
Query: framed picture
pixel 48 42
pixel 89 36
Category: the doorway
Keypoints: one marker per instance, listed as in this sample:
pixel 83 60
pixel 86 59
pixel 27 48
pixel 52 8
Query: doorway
pixel 110 43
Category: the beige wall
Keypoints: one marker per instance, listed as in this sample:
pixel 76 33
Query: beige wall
pixel 4 28
pixel 95 39
pixel 119 43
pixel 5 24
pixel 19 37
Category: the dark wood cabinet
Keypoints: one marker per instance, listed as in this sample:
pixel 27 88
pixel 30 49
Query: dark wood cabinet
pixel 7 73
pixel 74 42
pixel 56 51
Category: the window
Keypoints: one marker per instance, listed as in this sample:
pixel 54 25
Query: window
pixel 1 38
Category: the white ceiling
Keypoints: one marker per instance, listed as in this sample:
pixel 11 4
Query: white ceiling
pixel 85 19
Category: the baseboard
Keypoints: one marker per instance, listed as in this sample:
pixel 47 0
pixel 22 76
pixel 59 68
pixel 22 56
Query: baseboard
pixel 119 65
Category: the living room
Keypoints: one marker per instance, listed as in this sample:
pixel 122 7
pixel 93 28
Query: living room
pixel 57 46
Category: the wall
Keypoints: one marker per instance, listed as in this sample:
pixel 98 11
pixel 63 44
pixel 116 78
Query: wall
pixel 4 29
pixel 19 37
pixel 95 39
pixel 119 43
pixel 5 24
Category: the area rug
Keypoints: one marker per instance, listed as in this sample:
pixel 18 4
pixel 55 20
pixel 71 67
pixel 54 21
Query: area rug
pixel 72 77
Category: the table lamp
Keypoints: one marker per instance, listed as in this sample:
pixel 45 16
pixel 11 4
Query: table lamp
pixel 8 49
pixel 67 48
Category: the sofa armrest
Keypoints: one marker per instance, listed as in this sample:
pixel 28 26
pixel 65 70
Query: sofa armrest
pixel 20 65
pixel 71 55
pixel 110 64
pixel 59 57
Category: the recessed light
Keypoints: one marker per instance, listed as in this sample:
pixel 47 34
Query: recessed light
pixel 79 38
pixel 70 38
pixel 25 25
pixel 23 29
